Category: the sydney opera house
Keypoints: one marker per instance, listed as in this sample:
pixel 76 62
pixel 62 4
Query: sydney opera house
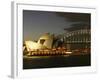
pixel 74 40
pixel 46 45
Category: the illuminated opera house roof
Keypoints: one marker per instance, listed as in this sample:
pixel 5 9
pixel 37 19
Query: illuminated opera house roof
pixel 44 42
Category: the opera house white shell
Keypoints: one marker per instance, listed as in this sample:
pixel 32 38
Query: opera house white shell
pixel 31 46
pixel 44 42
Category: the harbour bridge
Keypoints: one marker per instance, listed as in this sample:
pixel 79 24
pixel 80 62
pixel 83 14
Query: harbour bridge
pixel 78 36
pixel 76 39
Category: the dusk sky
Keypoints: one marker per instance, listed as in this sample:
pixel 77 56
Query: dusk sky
pixel 36 23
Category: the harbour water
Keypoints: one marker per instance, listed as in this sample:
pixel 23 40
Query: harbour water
pixel 37 62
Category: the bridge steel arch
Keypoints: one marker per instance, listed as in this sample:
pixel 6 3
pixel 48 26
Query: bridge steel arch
pixel 77 39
